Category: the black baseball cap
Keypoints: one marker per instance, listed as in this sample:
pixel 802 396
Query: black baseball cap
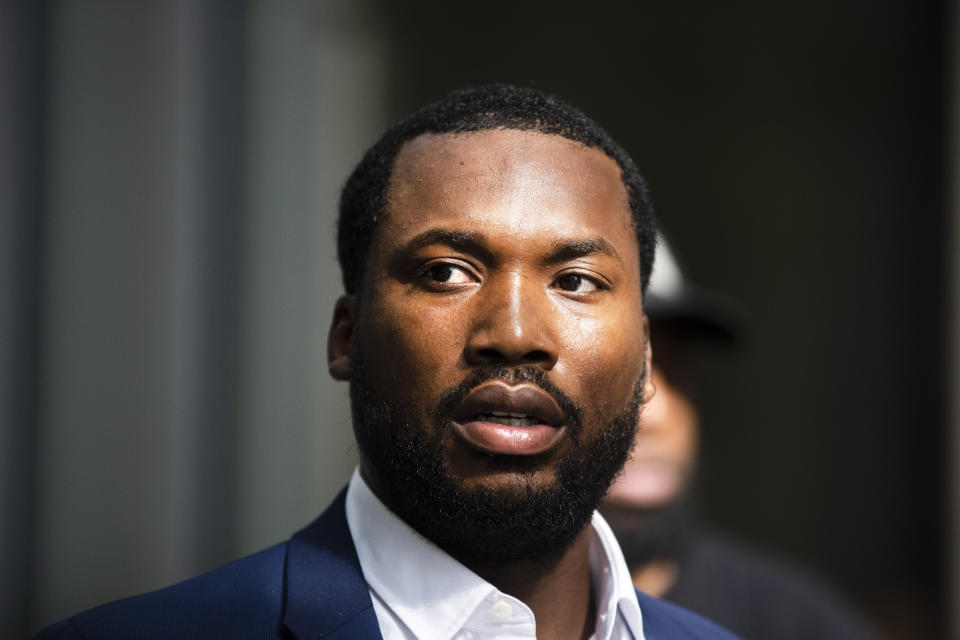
pixel 674 303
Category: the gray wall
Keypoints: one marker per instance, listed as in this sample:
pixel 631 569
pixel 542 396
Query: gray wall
pixel 192 156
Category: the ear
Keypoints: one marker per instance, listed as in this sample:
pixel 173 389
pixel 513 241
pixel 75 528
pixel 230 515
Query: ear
pixel 649 388
pixel 340 340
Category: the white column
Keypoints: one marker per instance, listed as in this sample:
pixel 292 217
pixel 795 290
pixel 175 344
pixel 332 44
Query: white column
pixel 108 324
pixel 314 104
pixel 195 153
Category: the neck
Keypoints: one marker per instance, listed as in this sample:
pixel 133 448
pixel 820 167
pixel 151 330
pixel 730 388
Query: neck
pixel 558 591
pixel 557 588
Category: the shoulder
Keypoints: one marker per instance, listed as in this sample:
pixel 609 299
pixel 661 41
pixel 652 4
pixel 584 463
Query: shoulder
pixel 240 599
pixel 666 621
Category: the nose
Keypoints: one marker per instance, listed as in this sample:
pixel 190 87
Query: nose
pixel 514 322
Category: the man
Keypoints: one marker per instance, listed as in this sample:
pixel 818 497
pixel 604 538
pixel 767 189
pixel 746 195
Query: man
pixel 494 247
pixel 650 506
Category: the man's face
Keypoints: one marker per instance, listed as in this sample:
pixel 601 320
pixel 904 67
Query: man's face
pixel 649 506
pixel 497 351
pixel 661 466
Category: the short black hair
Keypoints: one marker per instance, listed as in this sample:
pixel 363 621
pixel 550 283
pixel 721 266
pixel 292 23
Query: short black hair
pixel 493 106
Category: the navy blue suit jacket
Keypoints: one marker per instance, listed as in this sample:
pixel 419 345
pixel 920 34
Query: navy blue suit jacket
pixel 307 588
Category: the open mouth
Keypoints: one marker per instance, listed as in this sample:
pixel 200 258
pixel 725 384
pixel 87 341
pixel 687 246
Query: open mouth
pixel 508 419
pixel 522 420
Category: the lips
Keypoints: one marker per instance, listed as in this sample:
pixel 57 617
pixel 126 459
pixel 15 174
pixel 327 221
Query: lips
pixel 518 420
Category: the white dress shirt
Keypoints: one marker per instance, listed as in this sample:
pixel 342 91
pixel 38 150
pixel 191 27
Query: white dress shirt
pixel 419 592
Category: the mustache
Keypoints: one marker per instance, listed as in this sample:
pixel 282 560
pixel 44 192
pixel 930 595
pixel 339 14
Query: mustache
pixel 572 412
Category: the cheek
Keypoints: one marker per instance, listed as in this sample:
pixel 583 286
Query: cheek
pixel 606 356
pixel 412 342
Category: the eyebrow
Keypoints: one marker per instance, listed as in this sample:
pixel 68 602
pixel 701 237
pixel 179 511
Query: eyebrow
pixel 477 244
pixel 564 250
pixel 465 241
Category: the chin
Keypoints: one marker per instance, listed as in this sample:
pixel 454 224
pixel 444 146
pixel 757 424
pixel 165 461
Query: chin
pixel 510 483
pixel 483 506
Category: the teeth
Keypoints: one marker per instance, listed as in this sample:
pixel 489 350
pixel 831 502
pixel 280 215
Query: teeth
pixel 508 419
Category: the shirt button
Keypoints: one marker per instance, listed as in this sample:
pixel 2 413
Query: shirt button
pixel 501 610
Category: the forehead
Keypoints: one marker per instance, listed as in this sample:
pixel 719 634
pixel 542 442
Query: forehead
pixel 531 182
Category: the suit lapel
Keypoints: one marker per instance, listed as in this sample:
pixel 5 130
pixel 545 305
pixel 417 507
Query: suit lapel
pixel 325 594
pixel 653 624
pixel 663 620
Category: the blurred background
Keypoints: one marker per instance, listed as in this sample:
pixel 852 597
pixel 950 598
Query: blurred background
pixel 168 177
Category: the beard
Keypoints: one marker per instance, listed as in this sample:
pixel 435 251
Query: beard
pixel 526 520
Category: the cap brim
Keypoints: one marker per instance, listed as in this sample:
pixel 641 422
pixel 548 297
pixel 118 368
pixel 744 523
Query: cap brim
pixel 698 314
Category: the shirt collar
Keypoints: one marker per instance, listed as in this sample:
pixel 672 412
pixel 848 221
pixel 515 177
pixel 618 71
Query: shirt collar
pixel 612 583
pixel 434 595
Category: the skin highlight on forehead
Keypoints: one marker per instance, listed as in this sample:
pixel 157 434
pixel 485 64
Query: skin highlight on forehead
pixel 533 174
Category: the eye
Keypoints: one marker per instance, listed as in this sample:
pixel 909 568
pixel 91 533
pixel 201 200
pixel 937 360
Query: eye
pixel 578 283
pixel 446 273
